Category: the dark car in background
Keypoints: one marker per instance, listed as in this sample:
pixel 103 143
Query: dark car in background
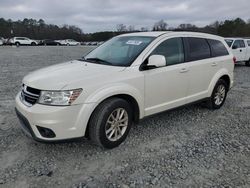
pixel 49 42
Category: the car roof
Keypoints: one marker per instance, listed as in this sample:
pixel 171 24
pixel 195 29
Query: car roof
pixel 173 33
pixel 147 34
pixel 237 38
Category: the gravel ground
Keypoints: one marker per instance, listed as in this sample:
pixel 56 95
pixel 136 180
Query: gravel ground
pixel 187 147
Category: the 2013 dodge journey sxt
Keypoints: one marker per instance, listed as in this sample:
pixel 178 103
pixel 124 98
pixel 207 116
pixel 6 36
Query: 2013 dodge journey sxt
pixel 122 81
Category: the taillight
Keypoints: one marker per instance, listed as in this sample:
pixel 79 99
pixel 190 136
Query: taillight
pixel 234 59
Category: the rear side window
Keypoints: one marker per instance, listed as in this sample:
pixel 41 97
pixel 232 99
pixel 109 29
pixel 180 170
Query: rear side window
pixel 197 49
pixel 217 48
pixel 172 50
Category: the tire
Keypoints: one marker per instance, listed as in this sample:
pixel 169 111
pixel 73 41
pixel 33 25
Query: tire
pixel 248 63
pixel 17 44
pixel 104 130
pixel 218 96
pixel 33 44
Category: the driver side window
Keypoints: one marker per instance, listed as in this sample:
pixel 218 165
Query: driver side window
pixel 172 50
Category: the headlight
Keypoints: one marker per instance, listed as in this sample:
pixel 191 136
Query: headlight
pixel 59 98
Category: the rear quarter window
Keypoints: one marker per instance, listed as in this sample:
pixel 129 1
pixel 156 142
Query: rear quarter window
pixel 197 49
pixel 217 48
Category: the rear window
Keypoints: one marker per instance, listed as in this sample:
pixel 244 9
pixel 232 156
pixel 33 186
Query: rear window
pixel 217 48
pixel 197 49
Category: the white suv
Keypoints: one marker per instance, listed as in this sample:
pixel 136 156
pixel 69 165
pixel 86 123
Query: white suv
pixel 122 81
pixel 22 41
pixel 68 42
pixel 240 48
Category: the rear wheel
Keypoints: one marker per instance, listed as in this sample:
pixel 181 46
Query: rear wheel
pixel 17 44
pixel 219 95
pixel 110 123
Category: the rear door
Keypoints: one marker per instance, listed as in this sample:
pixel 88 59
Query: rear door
pixel 239 50
pixel 202 67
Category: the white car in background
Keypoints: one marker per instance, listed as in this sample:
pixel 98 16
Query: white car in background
pixel 240 48
pixel 68 42
pixel 129 77
pixel 22 41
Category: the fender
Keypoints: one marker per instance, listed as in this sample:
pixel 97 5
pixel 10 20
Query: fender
pixel 117 89
pixel 217 76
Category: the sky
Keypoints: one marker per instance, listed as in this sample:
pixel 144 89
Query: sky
pixel 105 15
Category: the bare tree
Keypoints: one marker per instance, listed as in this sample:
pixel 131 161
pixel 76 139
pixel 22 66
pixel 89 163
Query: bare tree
pixel 160 26
pixel 144 29
pixel 121 28
pixel 215 24
pixel 131 28
pixel 186 26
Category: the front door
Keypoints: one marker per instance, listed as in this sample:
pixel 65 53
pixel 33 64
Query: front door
pixel 166 87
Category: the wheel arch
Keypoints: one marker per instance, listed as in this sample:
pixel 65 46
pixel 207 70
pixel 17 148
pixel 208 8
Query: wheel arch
pixel 223 74
pixel 226 78
pixel 129 98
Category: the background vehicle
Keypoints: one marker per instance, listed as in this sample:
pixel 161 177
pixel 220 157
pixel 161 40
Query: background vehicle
pixel 68 42
pixel 49 42
pixel 240 48
pixel 126 79
pixel 1 41
pixel 22 41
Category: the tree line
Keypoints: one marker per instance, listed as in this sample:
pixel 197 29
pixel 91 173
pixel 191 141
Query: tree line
pixel 38 29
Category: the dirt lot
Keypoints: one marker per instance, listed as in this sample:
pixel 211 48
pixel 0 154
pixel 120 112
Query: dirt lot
pixel 188 147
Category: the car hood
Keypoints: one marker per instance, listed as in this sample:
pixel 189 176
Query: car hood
pixel 58 77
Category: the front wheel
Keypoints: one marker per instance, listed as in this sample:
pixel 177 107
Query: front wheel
pixel 17 44
pixel 110 123
pixel 219 95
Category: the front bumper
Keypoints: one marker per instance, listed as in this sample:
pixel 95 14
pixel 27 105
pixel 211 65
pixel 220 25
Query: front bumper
pixel 66 122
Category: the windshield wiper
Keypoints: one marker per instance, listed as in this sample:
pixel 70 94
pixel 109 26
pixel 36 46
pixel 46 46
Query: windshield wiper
pixel 98 60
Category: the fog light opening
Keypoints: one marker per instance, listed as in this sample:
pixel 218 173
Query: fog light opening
pixel 45 132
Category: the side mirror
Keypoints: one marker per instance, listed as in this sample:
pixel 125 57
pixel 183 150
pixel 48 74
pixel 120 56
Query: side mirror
pixel 234 47
pixel 156 61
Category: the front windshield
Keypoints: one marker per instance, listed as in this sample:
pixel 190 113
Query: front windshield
pixel 229 42
pixel 119 51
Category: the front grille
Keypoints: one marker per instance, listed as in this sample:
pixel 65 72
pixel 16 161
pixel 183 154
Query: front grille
pixel 29 95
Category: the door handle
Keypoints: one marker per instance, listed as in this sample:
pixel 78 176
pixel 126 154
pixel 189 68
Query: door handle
pixel 183 70
pixel 214 64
